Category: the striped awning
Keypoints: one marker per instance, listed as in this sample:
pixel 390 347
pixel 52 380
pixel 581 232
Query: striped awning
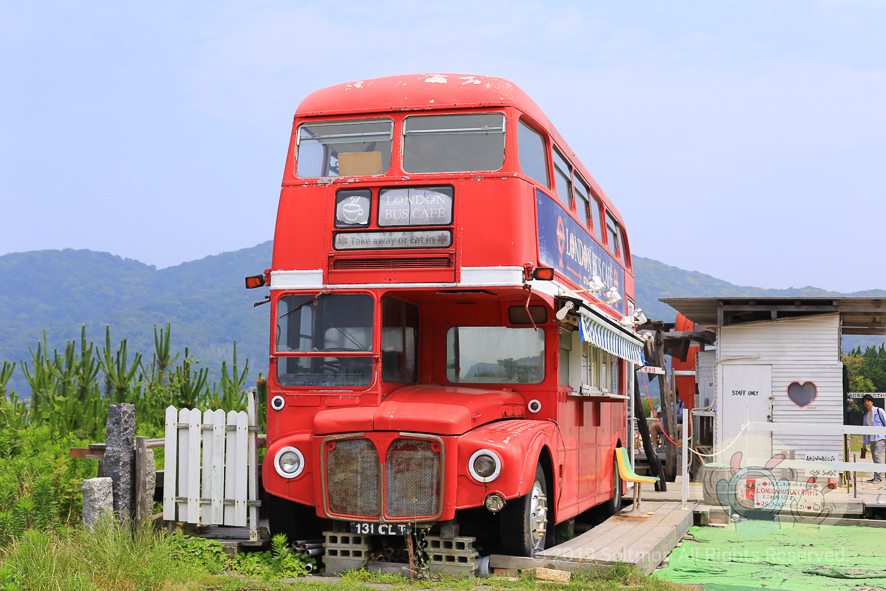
pixel 596 332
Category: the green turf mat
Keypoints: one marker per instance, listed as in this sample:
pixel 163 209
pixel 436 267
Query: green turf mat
pixel 790 557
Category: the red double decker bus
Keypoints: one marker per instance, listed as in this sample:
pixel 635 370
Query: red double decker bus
pixel 452 318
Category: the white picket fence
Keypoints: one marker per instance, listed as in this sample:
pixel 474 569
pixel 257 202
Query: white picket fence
pixel 211 472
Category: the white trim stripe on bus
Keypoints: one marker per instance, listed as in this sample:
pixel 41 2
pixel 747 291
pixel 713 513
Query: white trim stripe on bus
pixel 297 279
pixel 492 276
pixel 482 277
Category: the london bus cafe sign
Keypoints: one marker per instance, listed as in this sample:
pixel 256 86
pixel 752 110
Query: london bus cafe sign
pixel 566 246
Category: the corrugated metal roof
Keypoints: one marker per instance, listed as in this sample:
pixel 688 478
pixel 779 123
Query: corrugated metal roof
pixel 858 315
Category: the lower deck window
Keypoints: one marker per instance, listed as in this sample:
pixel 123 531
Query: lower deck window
pixel 324 340
pixel 600 370
pixel 495 354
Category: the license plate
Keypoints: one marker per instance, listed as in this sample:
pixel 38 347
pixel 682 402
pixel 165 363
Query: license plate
pixel 379 529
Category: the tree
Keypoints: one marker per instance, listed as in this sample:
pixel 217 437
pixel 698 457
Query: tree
pixel 858 382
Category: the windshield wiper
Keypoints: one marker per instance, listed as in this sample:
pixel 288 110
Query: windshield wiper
pixel 343 332
pixel 310 301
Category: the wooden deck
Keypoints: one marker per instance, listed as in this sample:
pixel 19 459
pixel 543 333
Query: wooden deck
pixel 642 541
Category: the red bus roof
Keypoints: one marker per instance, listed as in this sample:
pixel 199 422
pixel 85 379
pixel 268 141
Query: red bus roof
pixel 423 92
pixel 414 92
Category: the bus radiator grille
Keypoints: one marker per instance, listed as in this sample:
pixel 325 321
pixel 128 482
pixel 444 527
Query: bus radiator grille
pixel 393 263
pixel 352 476
pixel 412 479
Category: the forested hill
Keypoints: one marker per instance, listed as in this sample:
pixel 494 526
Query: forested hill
pixel 205 301
pixel 209 308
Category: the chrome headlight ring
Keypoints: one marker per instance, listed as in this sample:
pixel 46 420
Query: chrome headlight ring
pixel 478 465
pixel 289 462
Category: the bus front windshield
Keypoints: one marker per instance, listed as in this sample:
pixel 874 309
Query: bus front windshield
pixel 344 148
pixel 454 143
pixel 311 324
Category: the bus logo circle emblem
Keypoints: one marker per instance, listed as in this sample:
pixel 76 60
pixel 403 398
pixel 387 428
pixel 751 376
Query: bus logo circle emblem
pixel 561 238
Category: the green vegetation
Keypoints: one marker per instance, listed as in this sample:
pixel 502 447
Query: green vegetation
pixel 67 394
pixel 40 485
pixel 108 557
pixel 867 369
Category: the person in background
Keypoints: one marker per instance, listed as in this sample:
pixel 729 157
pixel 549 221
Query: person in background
pixel 874 417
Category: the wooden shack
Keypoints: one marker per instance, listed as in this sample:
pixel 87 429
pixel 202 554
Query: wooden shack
pixel 777 360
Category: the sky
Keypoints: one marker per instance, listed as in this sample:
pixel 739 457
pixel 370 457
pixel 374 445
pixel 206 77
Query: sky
pixel 742 139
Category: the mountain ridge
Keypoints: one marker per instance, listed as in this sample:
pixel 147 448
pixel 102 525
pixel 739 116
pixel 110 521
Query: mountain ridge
pixel 208 307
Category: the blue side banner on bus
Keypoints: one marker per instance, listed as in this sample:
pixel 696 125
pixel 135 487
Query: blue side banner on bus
pixel 567 247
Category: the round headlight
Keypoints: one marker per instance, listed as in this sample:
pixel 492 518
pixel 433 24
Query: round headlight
pixel 484 465
pixel 289 462
pixel 278 402
pixel 495 503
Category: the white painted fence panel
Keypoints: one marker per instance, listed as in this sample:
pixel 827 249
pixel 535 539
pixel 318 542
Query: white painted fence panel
pixel 252 460
pixel 211 467
pixel 195 434
pixel 218 467
pixel 171 453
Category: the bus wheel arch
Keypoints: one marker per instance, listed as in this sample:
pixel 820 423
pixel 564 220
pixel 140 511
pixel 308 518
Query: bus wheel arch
pixel 517 530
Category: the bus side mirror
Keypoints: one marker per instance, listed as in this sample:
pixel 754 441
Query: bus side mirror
pixel 254 281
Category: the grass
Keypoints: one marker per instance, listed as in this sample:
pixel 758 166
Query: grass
pixel 114 558
pixel 108 557
pixel 616 578
pixel 855 443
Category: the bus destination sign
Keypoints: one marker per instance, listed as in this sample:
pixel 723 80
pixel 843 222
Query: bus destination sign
pixel 415 206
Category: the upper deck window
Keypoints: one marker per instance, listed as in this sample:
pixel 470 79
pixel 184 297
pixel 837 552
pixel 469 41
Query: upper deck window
pixel 583 203
pixel 344 148
pixel 596 212
pixel 612 236
pixel 622 244
pixel 454 143
pixel 564 178
pixel 533 154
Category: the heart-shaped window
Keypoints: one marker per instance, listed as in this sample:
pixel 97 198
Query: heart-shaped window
pixel 802 394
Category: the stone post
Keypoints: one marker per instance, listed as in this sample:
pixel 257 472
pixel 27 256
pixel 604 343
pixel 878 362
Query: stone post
pixel 120 457
pixel 98 500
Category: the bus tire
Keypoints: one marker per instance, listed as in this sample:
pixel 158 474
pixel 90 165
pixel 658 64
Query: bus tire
pixel 297 521
pixel 524 521
pixel 614 504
